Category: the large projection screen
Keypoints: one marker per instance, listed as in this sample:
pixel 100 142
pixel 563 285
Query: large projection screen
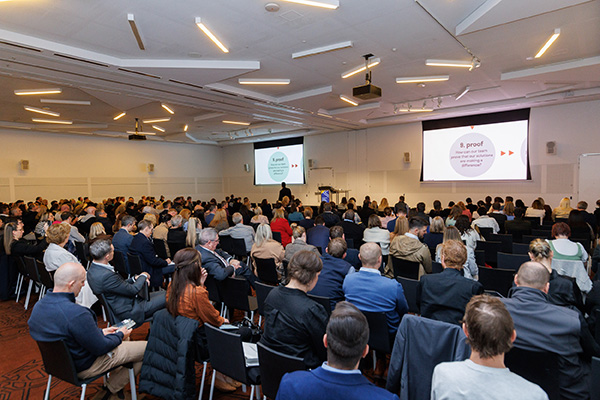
pixel 279 161
pixel 491 147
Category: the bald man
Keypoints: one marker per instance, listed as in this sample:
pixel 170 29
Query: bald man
pixel 57 317
pixel 542 326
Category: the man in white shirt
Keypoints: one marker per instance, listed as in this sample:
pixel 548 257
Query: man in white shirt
pixel 485 221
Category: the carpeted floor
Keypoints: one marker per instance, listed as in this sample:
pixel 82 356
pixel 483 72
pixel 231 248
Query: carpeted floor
pixel 22 373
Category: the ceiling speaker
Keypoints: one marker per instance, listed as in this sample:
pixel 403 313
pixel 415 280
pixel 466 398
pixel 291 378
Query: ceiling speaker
pixel 550 147
pixel 406 157
pixel 150 167
pixel 311 163
pixel 247 167
pixel 24 164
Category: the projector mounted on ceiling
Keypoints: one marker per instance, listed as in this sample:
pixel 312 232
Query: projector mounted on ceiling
pixel 137 134
pixel 367 91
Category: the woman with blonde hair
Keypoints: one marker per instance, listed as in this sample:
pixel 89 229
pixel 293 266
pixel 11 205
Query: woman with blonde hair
pixel 470 268
pixel 436 233
pixel 265 247
pixel 186 213
pixel 400 228
pixel 384 203
pixel 285 201
pixel 509 210
pixel 219 221
pixel 96 230
pixel 193 230
pixel 563 209
pixel 259 218
pixel 375 233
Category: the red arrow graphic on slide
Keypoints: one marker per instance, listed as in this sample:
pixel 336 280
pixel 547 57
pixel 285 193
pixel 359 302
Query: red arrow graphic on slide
pixel 502 153
pixel 510 153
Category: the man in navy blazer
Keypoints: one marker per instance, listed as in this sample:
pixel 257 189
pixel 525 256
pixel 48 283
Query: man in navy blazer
pixel 346 342
pixel 123 237
pixel 318 235
pixel 335 269
pixel 217 262
pixel 143 246
pixel 444 296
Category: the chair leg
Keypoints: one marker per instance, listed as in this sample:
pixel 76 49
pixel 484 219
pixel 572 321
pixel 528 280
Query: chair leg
pixel 47 394
pixel 212 385
pixel 28 294
pixel 252 392
pixel 374 361
pixel 257 392
pixel 132 384
pixel 259 319
pixel 104 314
pixel 243 387
pixel 83 387
pixel 204 365
pixel 19 284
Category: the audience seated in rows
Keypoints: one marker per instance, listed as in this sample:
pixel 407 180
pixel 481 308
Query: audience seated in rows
pixel 409 247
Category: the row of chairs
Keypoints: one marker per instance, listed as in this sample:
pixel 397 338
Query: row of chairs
pixel 39 278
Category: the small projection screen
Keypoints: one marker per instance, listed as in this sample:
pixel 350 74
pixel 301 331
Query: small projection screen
pixel 279 161
pixel 487 147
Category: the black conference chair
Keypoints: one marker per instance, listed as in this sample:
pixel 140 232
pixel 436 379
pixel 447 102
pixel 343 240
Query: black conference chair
pixel 535 221
pixel 214 292
pixel 511 261
pixel 436 267
pixel 595 379
pixel 238 248
pixel 59 363
pixel 226 244
pixel 479 257
pixel 529 238
pixel 496 279
pixel 541 233
pixel 120 265
pixel 135 264
pixel 83 253
pixel 227 357
pixel 160 247
pixel 410 292
pixel 262 291
pixel 491 250
pixel 20 263
pixel 110 314
pixel 520 248
pixel 45 277
pixel 273 366
pixel 34 277
pixel 266 270
pixel 379 334
pixel 324 301
pixel 540 368
pixel 486 232
pixel 405 268
pixel 277 236
pixel 234 293
pixel 505 240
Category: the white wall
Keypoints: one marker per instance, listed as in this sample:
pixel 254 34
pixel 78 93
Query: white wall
pixel 370 162
pixel 67 165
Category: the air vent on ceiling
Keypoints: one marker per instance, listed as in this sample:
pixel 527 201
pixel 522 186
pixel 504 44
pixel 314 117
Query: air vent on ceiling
pixel 223 92
pixel 81 60
pixel 186 84
pixel 139 73
pixel 20 46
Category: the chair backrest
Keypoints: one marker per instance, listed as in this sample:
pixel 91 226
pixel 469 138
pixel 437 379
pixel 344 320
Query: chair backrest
pixel 535 221
pixel 529 238
pixel 410 292
pixel 174 247
pixel 350 243
pixel 214 289
pixel 226 243
pixel 58 361
pixel 266 270
pixel 135 264
pixel 20 265
pixel 277 236
pixel 238 248
pixel 322 300
pixel 511 261
pixel 520 248
pixel 262 291
pixel 479 257
pixel 161 248
pixel 499 280
pixel 506 240
pixel 485 232
pixel 82 253
pixel 540 368
pixel 595 378
pixel 31 268
pixel 273 366
pixel 45 276
pixel 541 233
pixel 110 314
pixel 597 327
pixel 226 353
pixel 379 334
pixel 436 267
pixel 491 249
pixel 405 268
pixel 119 263
pixel 234 293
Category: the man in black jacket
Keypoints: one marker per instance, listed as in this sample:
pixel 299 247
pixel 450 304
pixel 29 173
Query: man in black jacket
pixel 121 295
pixel 143 246
pixel 352 230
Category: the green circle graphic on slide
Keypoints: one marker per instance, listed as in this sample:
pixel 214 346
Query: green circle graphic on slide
pixel 279 166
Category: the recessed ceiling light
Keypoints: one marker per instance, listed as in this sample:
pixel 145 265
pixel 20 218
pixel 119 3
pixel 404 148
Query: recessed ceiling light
pixel 166 107
pixel 41 111
pixel 120 115
pixel 548 43
pixel 151 121
pixel 247 81
pixel 419 79
pixel 236 122
pixel 70 102
pixel 348 100
pixel 321 50
pixel 331 5
pixel 52 121
pixel 136 32
pixel 412 110
pixel 356 70
pixel 158 128
pixel 210 35
pixel 27 92
pixel 449 63
pixel 185 128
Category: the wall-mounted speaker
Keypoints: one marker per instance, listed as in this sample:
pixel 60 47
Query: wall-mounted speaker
pixel 406 157
pixel 311 163
pixel 24 164
pixel 247 167
pixel 150 167
pixel 550 147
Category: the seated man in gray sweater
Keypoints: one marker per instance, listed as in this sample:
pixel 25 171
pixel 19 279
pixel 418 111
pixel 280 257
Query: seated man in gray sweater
pixel 490 333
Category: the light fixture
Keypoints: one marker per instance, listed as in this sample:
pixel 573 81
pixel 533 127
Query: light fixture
pixel 120 115
pixel 210 35
pixel 331 5
pixel 362 68
pixel 419 79
pixel 70 102
pixel 415 110
pixel 158 128
pixel 236 122
pixel 151 121
pixel 42 111
pixel 548 43
pixel 140 133
pixel 27 92
pixel 348 100
pixel 449 63
pixel 321 50
pixel 248 81
pixel 136 32
pixel 52 121
pixel 166 107
pixel 465 91
pixel 185 128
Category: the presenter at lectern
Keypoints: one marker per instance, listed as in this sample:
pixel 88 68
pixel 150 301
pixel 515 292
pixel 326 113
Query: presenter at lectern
pixel 285 192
